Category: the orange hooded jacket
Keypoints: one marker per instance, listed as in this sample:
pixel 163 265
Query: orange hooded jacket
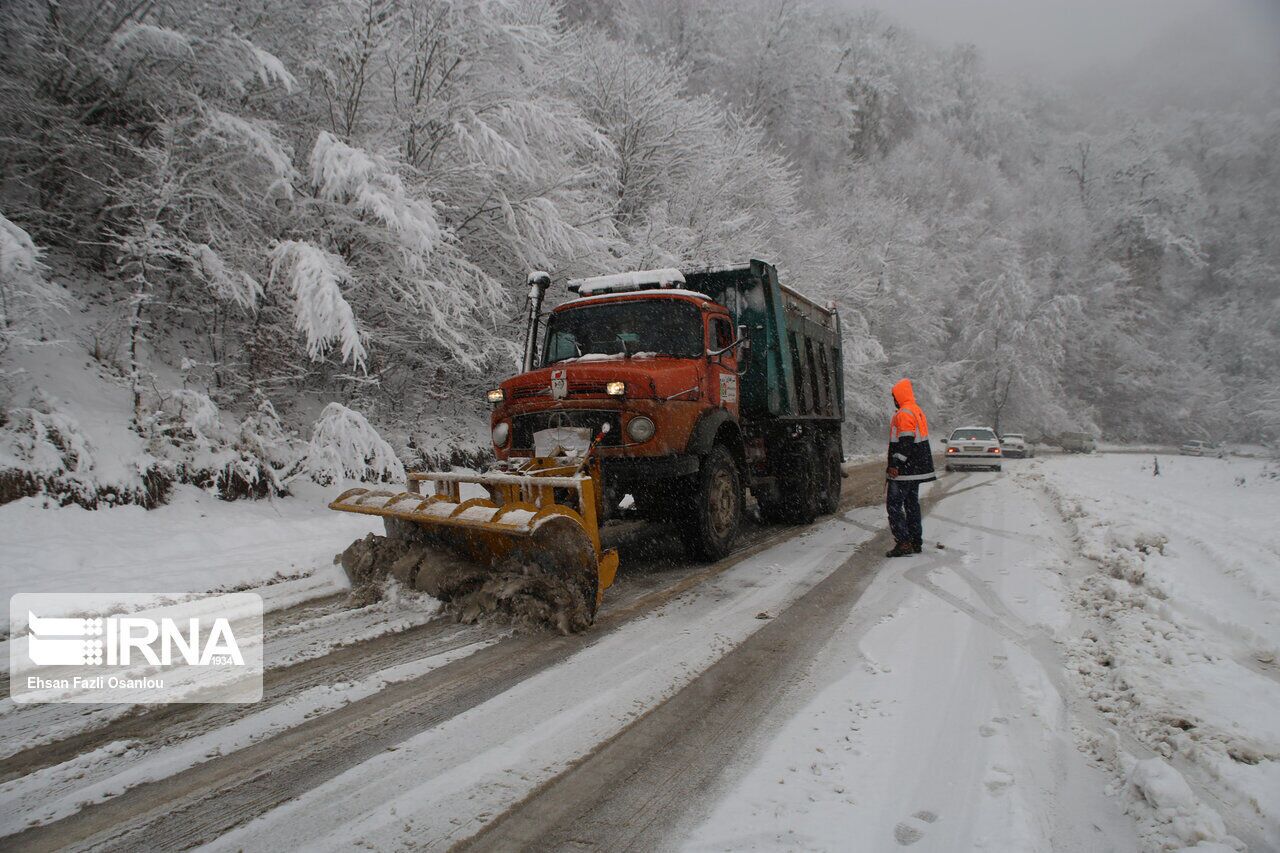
pixel 909 450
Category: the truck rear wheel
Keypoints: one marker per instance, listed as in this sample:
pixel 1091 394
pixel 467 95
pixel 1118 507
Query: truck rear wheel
pixel 715 511
pixel 797 500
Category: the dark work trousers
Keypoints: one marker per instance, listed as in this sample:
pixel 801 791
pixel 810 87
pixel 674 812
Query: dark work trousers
pixel 903 502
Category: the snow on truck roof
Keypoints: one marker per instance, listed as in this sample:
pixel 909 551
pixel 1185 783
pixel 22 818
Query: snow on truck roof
pixel 622 282
pixel 666 279
pixel 648 291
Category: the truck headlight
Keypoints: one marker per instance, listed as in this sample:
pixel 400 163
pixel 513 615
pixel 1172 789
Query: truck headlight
pixel 501 432
pixel 641 429
pixel 616 388
pixel 495 396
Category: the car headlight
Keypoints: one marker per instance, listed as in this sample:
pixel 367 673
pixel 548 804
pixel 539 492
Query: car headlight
pixel 501 433
pixel 616 388
pixel 495 396
pixel 641 428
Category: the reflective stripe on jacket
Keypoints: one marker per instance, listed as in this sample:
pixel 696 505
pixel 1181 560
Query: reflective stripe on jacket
pixel 909 449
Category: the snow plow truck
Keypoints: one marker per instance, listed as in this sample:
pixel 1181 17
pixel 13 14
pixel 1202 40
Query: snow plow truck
pixel 682 389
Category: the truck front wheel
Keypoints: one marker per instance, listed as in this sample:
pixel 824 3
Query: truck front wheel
pixel 711 525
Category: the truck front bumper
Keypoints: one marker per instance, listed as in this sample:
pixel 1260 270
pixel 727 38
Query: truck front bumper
pixel 625 472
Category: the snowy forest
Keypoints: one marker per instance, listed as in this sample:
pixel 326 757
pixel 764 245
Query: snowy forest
pixel 292 235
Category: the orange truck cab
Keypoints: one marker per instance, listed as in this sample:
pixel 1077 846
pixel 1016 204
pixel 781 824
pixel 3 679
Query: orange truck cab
pixel 705 383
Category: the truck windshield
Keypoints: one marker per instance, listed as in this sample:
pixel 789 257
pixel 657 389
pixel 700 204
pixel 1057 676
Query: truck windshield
pixel 669 327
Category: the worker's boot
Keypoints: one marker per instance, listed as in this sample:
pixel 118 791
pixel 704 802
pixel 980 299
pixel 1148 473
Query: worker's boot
pixel 917 545
pixel 901 549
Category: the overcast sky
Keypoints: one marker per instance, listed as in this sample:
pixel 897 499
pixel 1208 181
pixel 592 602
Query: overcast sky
pixel 1070 39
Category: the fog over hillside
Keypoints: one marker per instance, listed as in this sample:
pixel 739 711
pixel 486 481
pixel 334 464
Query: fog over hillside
pixel 1051 215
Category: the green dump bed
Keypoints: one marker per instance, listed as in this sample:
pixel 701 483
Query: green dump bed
pixel 794 368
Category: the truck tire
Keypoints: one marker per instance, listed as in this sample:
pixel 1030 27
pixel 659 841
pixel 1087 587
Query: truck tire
pixel 715 508
pixel 797 500
pixel 805 485
pixel 829 459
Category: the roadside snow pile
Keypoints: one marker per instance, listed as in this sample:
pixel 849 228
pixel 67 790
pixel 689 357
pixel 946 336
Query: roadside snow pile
pixel 1167 793
pixel 186 438
pixel 255 459
pixel 44 450
pixel 282 548
pixel 1183 627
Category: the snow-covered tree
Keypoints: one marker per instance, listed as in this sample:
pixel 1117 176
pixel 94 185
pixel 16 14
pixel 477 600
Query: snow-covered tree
pixel 321 312
pixel 345 446
pixel 26 295
pixel 346 211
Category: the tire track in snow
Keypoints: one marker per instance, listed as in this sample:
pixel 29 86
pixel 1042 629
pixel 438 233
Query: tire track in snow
pixel 628 792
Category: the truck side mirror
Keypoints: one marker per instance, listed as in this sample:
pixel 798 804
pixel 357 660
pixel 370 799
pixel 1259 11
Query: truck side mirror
pixel 944 441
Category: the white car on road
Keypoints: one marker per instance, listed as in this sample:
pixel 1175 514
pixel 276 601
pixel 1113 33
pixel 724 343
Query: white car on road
pixel 1015 445
pixel 973 447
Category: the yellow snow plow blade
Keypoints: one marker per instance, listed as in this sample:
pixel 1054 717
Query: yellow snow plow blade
pixel 545 513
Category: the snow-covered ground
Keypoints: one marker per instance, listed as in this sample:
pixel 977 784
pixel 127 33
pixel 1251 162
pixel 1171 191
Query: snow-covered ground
pixel 445 783
pixel 1182 617
pixel 939 715
pixel 282 548
pixel 1087 665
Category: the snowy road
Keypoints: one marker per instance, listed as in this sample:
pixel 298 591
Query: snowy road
pixel 938 713
pixel 1082 666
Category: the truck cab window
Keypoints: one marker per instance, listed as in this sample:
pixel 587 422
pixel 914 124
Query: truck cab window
pixel 649 327
pixel 721 333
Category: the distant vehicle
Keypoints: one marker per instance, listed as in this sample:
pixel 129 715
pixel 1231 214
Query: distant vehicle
pixel 973 447
pixel 1077 442
pixel 1014 445
pixel 1195 447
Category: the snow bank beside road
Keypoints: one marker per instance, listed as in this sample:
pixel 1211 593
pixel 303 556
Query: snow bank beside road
pixel 195 543
pixel 1183 626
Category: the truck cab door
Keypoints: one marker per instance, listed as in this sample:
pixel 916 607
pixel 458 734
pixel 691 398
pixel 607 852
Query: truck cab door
pixel 723 368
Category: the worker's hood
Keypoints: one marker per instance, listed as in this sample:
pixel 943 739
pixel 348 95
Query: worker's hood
pixel 902 392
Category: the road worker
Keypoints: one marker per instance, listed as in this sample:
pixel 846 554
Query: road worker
pixel 910 464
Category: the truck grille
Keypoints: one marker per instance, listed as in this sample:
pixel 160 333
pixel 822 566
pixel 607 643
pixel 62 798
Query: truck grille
pixel 524 426
pixel 530 391
pixel 545 390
